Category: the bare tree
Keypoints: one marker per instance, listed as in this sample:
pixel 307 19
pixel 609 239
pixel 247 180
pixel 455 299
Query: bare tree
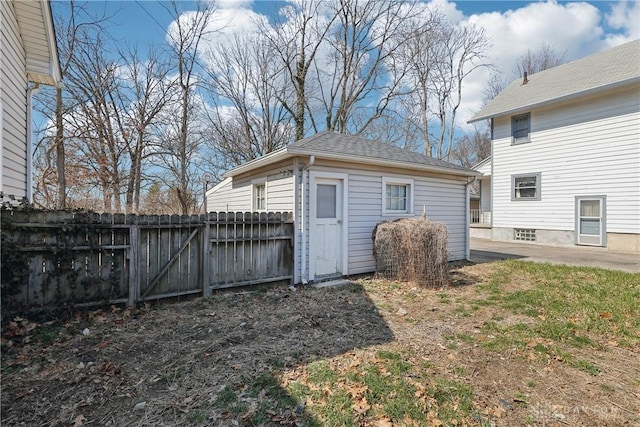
pixel 74 31
pixel 247 120
pixel 180 143
pixel 137 109
pixel 93 82
pixel 534 62
pixel 295 39
pixel 472 148
pixel 363 42
pixel 461 51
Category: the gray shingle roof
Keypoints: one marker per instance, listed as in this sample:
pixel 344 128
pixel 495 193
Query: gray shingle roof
pixel 337 147
pixel 347 147
pixel 610 68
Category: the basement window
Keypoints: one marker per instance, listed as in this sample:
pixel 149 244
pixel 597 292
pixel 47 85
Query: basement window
pixel 524 234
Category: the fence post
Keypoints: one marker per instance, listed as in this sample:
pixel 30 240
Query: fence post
pixel 134 260
pixel 206 258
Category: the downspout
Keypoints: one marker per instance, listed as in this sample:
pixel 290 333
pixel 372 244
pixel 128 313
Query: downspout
pixel 29 154
pixel 304 277
pixel 296 220
pixel 467 204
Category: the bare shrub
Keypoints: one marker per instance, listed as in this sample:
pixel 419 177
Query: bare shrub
pixel 412 250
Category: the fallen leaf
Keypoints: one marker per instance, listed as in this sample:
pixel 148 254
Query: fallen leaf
pixel 80 419
pixel 362 406
pixel 605 315
pixel 383 423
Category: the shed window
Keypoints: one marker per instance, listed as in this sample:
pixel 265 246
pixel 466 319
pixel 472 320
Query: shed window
pixel 520 127
pixel 260 196
pixel 397 196
pixel 525 187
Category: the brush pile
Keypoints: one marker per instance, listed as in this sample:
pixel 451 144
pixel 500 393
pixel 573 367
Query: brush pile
pixel 412 250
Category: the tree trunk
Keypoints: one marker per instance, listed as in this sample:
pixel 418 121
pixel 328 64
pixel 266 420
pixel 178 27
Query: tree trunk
pixel 62 186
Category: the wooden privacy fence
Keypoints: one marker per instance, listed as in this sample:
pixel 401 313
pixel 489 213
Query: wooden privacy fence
pixel 52 257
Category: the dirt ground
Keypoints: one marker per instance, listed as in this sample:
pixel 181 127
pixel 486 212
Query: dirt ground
pixel 156 365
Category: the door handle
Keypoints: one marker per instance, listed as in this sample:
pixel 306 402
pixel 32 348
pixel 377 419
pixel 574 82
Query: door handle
pixel 339 221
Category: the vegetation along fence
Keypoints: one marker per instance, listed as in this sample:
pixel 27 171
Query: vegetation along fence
pixel 51 258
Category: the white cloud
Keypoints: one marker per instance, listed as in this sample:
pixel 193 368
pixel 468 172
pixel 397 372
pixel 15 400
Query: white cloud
pixel 574 28
pixel 233 4
pixel 624 17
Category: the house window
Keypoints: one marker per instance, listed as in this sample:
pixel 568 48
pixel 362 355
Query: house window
pixel 520 126
pixel 397 196
pixel 260 196
pixel 525 187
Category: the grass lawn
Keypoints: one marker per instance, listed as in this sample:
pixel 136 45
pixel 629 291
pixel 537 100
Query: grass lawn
pixel 509 343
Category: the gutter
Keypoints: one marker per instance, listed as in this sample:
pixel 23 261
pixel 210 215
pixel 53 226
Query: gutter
pixel 29 150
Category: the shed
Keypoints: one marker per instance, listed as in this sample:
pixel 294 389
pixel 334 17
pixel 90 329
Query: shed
pixel 339 187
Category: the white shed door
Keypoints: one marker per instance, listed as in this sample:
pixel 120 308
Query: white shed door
pixel 328 233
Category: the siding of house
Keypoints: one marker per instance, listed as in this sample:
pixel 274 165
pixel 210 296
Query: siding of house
pixel 443 197
pixel 235 195
pixel 230 196
pixel 13 80
pixel 585 147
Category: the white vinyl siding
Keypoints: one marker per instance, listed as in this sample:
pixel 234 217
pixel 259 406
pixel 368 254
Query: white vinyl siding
pixel 14 105
pixel 236 195
pixel 443 198
pixel 584 147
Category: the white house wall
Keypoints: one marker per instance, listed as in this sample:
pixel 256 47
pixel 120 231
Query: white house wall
pixel 588 147
pixel 230 196
pixel 235 195
pixel 14 105
pixel 444 199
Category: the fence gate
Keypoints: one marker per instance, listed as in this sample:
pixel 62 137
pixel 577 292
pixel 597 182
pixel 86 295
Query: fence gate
pixel 168 256
pixel 248 248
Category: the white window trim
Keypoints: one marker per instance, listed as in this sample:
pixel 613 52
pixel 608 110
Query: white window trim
pixel 524 139
pixel 259 181
pixel 538 197
pixel 410 195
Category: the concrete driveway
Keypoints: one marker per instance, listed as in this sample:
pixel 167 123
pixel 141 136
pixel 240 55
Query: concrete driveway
pixel 486 250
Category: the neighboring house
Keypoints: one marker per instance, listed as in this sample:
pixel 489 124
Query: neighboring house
pixel 29 59
pixel 565 165
pixel 339 187
pixel 481 212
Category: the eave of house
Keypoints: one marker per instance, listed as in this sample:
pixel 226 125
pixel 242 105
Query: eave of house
pixel 35 22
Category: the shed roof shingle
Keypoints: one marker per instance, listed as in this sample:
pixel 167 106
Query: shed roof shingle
pixel 333 146
pixel 610 68
pixel 363 148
